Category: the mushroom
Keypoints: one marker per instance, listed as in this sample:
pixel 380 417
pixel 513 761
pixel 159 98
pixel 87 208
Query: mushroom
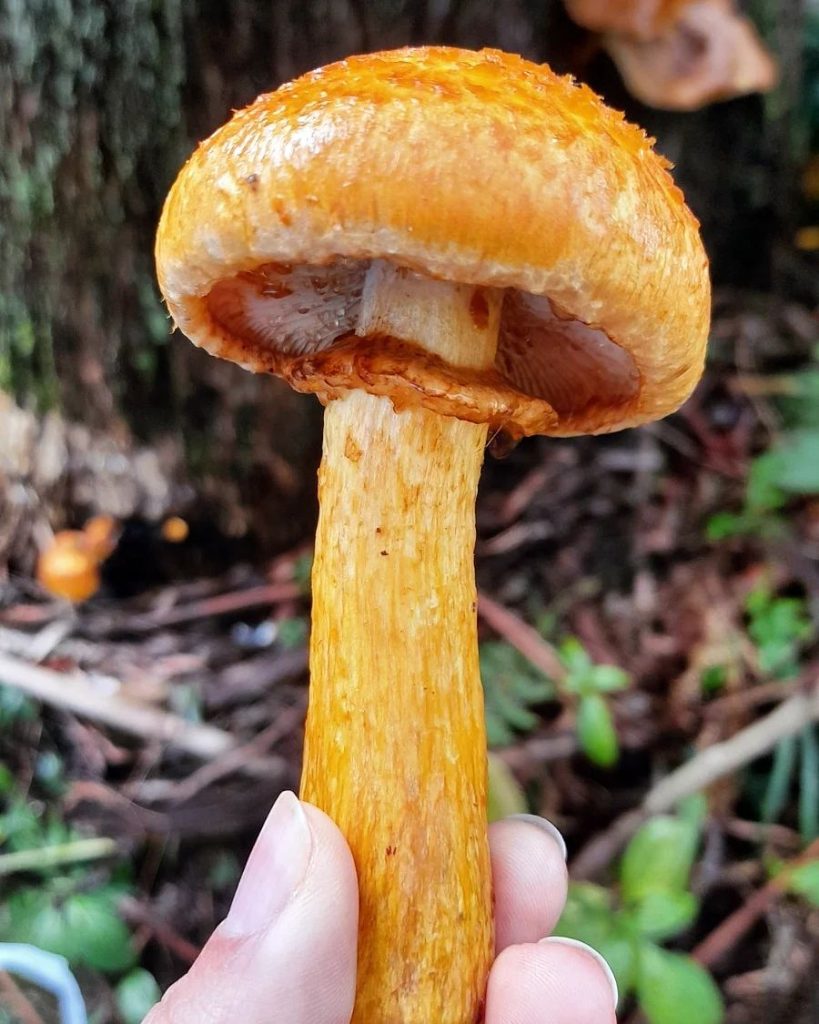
pixel 680 54
pixel 438 243
pixel 69 567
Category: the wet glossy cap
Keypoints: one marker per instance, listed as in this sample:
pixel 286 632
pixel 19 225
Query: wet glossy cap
pixel 479 168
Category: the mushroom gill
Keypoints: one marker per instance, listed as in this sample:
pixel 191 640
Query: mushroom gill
pixel 543 351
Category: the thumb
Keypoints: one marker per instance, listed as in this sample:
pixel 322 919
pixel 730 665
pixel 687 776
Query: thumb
pixel 287 949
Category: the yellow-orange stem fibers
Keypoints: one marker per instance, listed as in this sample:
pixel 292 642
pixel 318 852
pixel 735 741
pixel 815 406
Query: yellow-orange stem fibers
pixel 395 750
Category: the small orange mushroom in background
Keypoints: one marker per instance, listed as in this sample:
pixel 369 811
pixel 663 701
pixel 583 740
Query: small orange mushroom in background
pixel 680 54
pixel 101 533
pixel 174 530
pixel 437 242
pixel 70 566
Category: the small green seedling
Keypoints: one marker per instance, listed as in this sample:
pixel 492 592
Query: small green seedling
pixel 589 684
pixel 513 687
pixel 652 905
pixel 778 627
pixel 763 502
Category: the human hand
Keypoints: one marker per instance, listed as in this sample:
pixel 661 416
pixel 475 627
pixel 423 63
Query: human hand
pixel 287 949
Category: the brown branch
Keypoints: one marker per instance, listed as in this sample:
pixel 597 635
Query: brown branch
pixel 750 697
pixel 14 1000
pixel 208 607
pixel 137 913
pixel 75 693
pixel 290 719
pixel 539 750
pixel 523 637
pixel 730 931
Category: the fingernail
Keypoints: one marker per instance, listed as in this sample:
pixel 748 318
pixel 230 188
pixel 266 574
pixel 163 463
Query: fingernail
pixel 559 940
pixel 544 826
pixel 274 870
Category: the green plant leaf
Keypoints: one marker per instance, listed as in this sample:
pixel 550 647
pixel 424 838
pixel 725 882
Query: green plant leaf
pixel 608 678
pixel 661 914
pixel 659 857
pixel 778 786
pixel 505 795
pixel 809 784
pixel 778 626
pixel 804 881
pixel 673 989
pixel 723 525
pixel 713 678
pixel 596 732
pixel 99 937
pixel 574 656
pixel 763 493
pixel 589 916
pixel 20 826
pixel 292 632
pixel 796 467
pixel 303 572
pixel 693 810
pixel 85 928
pixel 15 707
pixel 136 994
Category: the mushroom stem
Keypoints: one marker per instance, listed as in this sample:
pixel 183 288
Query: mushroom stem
pixel 395 748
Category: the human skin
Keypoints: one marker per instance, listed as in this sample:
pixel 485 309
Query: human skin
pixel 286 953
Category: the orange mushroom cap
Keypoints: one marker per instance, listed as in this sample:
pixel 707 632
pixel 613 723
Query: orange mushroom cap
pixel 478 168
pixel 101 535
pixel 69 567
pixel 174 530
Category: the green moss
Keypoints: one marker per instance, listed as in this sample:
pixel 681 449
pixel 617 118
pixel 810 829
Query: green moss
pixel 90 95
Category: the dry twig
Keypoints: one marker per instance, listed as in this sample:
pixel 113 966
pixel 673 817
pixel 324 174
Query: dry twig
pixel 74 692
pixel 208 607
pixel 290 719
pixel 78 851
pixel 13 999
pixel 137 913
pixel 730 931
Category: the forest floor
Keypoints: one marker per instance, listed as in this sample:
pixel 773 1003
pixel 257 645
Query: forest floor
pixel 168 720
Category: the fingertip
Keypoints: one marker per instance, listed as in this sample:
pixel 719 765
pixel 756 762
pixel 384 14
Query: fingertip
pixel 564 978
pixel 588 951
pixel 530 880
pixel 334 855
pixel 294 950
pixel 551 830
